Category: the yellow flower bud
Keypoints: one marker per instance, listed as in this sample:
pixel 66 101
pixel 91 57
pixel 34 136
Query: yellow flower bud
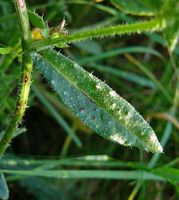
pixel 36 34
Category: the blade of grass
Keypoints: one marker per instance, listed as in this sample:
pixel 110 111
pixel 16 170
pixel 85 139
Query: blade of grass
pixel 56 115
pixel 119 51
pixel 150 75
pixel 67 142
pixel 88 174
pixel 85 161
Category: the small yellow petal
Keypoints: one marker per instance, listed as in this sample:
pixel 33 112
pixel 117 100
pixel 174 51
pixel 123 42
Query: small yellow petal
pixel 36 34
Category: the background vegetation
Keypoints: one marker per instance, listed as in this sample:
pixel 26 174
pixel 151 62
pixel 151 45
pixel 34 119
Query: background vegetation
pixel 138 67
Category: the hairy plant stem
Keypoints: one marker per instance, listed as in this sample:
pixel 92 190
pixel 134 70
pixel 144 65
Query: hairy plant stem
pixel 155 24
pixel 26 75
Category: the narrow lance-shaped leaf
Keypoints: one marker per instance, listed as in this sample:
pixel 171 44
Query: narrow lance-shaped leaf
pixel 101 108
pixel 89 174
pixel 95 117
pixel 36 20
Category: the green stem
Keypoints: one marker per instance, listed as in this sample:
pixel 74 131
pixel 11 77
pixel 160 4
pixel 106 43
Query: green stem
pixel 26 76
pixel 155 24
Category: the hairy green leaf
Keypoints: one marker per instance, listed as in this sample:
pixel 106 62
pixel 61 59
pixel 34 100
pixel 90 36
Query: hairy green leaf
pixel 95 103
pixel 4 192
pixel 36 20
pixel 138 7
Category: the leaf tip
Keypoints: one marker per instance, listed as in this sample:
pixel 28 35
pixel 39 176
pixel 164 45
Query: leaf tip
pixel 160 149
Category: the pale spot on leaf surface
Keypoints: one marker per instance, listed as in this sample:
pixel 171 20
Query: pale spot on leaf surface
pixel 113 106
pixel 99 86
pixel 117 138
pixel 113 93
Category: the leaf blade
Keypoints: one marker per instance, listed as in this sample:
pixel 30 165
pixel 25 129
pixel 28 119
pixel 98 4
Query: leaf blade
pixel 103 101
pixel 88 174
